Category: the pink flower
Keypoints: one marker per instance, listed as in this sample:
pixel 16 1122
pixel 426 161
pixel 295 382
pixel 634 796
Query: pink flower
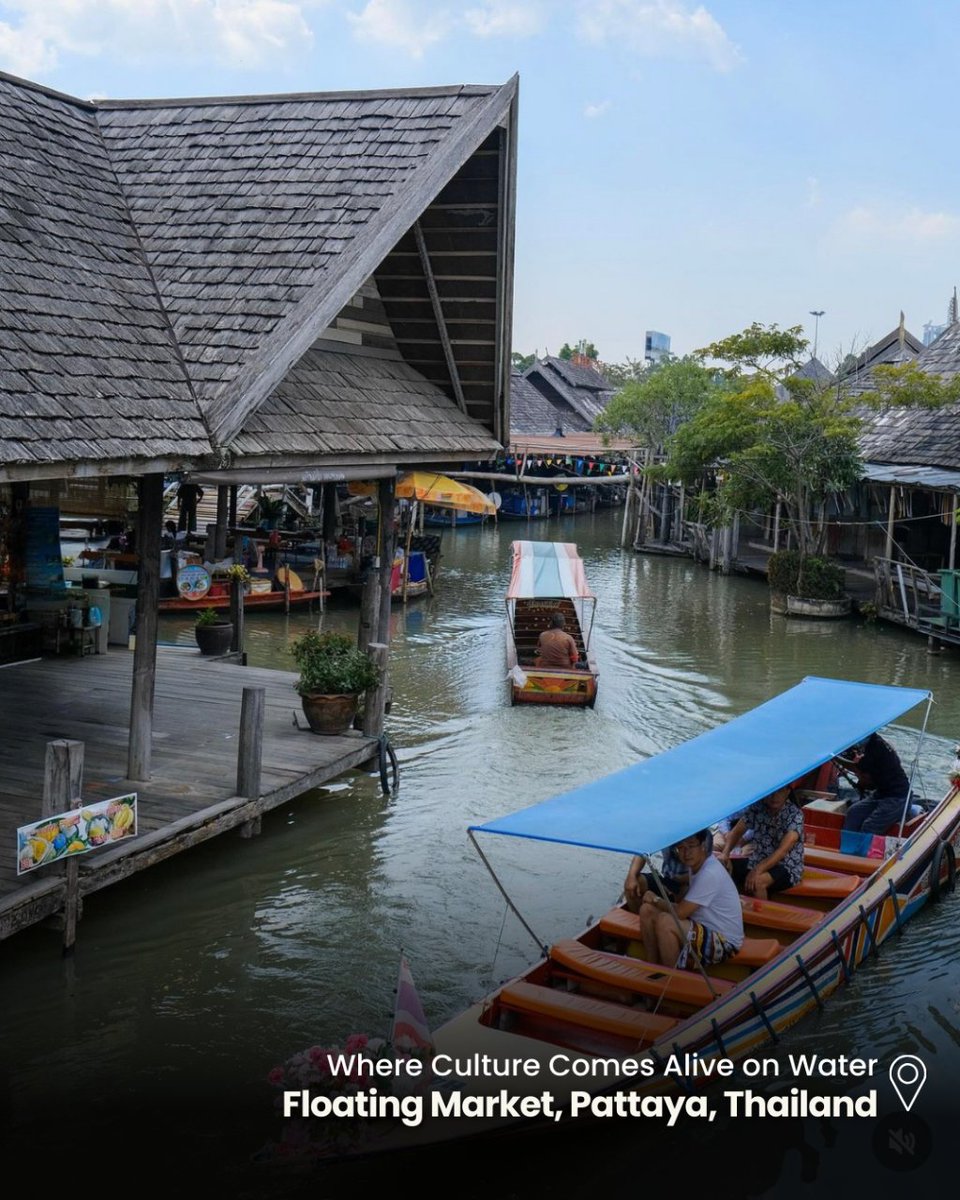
pixel 356 1042
pixel 276 1076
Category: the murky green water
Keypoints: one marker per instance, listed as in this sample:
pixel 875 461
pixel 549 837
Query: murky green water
pixel 193 980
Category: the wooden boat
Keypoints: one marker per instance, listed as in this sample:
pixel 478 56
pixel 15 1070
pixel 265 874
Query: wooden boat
pixel 548 577
pixel 261 601
pixel 592 998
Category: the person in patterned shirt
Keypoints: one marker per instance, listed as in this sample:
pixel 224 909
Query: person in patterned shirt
pixel 775 861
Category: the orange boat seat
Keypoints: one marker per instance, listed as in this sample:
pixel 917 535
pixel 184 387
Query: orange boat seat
pixel 833 860
pixel 770 914
pixel 649 979
pixel 824 885
pixel 755 952
pixel 586 1011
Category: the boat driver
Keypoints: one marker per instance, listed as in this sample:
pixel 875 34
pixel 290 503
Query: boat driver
pixel 706 926
pixel 877 767
pixel 556 649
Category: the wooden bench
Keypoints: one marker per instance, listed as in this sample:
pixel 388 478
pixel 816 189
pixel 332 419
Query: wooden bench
pixel 586 1011
pixel 755 952
pixel 824 885
pixel 834 860
pixel 634 975
pixel 770 914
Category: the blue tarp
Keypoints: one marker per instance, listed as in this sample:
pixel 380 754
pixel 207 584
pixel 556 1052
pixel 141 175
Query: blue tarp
pixel 665 798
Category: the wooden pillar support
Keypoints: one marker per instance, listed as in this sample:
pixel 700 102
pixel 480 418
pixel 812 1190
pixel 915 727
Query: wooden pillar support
pixel 250 748
pixel 62 785
pixel 369 609
pixel 150 488
pixel 375 703
pixel 891 518
pixel 223 518
pixel 236 605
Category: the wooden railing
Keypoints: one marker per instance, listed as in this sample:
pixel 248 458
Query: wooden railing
pixel 905 593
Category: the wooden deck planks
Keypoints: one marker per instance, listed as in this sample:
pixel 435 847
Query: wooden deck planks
pixel 190 796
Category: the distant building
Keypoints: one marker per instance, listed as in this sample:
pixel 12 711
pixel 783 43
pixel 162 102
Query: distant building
pixel 656 346
pixel 557 396
pixel 931 332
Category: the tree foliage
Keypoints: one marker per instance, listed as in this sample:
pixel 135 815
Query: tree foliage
pixel 652 407
pixel 587 349
pixel 522 361
pixel 907 385
pixel 799 450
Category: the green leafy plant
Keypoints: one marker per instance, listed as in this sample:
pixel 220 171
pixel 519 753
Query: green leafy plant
pixel 209 616
pixel 869 611
pixel 331 664
pixel 238 571
pixel 808 576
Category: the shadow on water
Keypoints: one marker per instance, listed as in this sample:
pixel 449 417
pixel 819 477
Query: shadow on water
pixel 193 980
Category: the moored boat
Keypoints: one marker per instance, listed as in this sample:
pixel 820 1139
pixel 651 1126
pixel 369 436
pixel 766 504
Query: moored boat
pixel 548 578
pixel 252 600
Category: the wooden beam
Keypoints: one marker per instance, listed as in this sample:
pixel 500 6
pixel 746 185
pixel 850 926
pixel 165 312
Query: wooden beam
pixel 150 489
pixel 250 749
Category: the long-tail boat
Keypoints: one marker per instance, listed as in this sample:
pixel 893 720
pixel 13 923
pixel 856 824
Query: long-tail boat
pixel 593 997
pixel 546 578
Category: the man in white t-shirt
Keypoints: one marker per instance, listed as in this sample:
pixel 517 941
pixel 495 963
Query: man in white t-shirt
pixel 706 925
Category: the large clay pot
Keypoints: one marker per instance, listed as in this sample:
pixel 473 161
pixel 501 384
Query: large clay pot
pixel 214 639
pixel 329 714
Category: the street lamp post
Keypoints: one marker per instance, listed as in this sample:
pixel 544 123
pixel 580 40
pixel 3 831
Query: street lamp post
pixel 817 313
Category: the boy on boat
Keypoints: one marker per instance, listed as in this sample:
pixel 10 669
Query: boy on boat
pixel 706 926
pixel 776 855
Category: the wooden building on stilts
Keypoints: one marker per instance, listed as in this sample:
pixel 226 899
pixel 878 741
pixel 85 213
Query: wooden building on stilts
pixel 225 291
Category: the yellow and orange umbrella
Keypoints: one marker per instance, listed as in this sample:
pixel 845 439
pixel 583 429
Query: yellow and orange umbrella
pixel 444 492
pixel 431 488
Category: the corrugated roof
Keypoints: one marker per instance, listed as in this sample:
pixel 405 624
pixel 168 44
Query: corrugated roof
pixel 934 478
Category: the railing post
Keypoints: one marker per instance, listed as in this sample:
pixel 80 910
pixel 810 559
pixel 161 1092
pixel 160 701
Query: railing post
pixel 62 784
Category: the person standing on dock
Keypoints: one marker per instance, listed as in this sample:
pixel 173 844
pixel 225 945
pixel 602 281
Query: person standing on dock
pixel 556 649
pixel 189 496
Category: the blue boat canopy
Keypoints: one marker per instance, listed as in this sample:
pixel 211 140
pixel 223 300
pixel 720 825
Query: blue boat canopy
pixel 658 801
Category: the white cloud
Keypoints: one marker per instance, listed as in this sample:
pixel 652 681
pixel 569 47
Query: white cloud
pixel 912 225
pixel 407 26
pixel 813 192
pixel 505 18
pixel 660 29
pixel 238 33
pixel 596 110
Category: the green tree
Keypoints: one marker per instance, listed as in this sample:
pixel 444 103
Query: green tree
pixel 907 385
pixel 620 374
pixel 522 361
pixel 653 407
pixel 588 349
pixel 798 446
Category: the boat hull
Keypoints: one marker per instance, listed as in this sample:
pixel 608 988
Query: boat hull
pixel 251 600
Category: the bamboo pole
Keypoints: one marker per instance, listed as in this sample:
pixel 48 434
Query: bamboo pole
pixel 891 517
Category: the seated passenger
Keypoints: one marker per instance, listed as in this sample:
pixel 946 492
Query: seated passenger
pixel 877 768
pixel 706 926
pixel 775 861
pixel 556 649
pixel 674 875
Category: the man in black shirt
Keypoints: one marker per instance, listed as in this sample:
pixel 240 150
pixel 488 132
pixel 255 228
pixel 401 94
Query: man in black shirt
pixel 877 768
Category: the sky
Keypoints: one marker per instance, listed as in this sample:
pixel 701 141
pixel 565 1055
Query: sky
pixel 683 167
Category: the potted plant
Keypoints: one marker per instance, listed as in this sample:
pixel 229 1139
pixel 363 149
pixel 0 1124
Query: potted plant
pixel 334 674
pixel 213 632
pixel 806 585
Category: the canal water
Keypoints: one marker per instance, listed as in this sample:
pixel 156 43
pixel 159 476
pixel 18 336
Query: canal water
pixel 195 979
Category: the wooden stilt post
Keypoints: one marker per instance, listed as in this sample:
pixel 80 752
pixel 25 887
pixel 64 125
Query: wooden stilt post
pixel 776 528
pixel 369 609
pixel 891 517
pixel 627 511
pixel 223 519
pixel 236 616
pixel 250 751
pixel 62 784
pixel 232 512
pixel 376 700
pixel 150 488
pixel 953 535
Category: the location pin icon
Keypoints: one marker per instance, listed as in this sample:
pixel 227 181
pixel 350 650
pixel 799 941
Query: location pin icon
pixel 908 1074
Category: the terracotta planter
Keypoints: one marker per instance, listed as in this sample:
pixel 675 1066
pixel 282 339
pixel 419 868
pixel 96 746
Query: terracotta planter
pixel 329 714
pixel 214 639
pixel 798 606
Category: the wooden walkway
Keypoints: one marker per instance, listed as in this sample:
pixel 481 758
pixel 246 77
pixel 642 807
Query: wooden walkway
pixel 191 796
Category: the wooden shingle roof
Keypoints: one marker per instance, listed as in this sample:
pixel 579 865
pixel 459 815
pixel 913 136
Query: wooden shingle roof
pixel 168 264
pixel 88 369
pixel 533 412
pixel 583 389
